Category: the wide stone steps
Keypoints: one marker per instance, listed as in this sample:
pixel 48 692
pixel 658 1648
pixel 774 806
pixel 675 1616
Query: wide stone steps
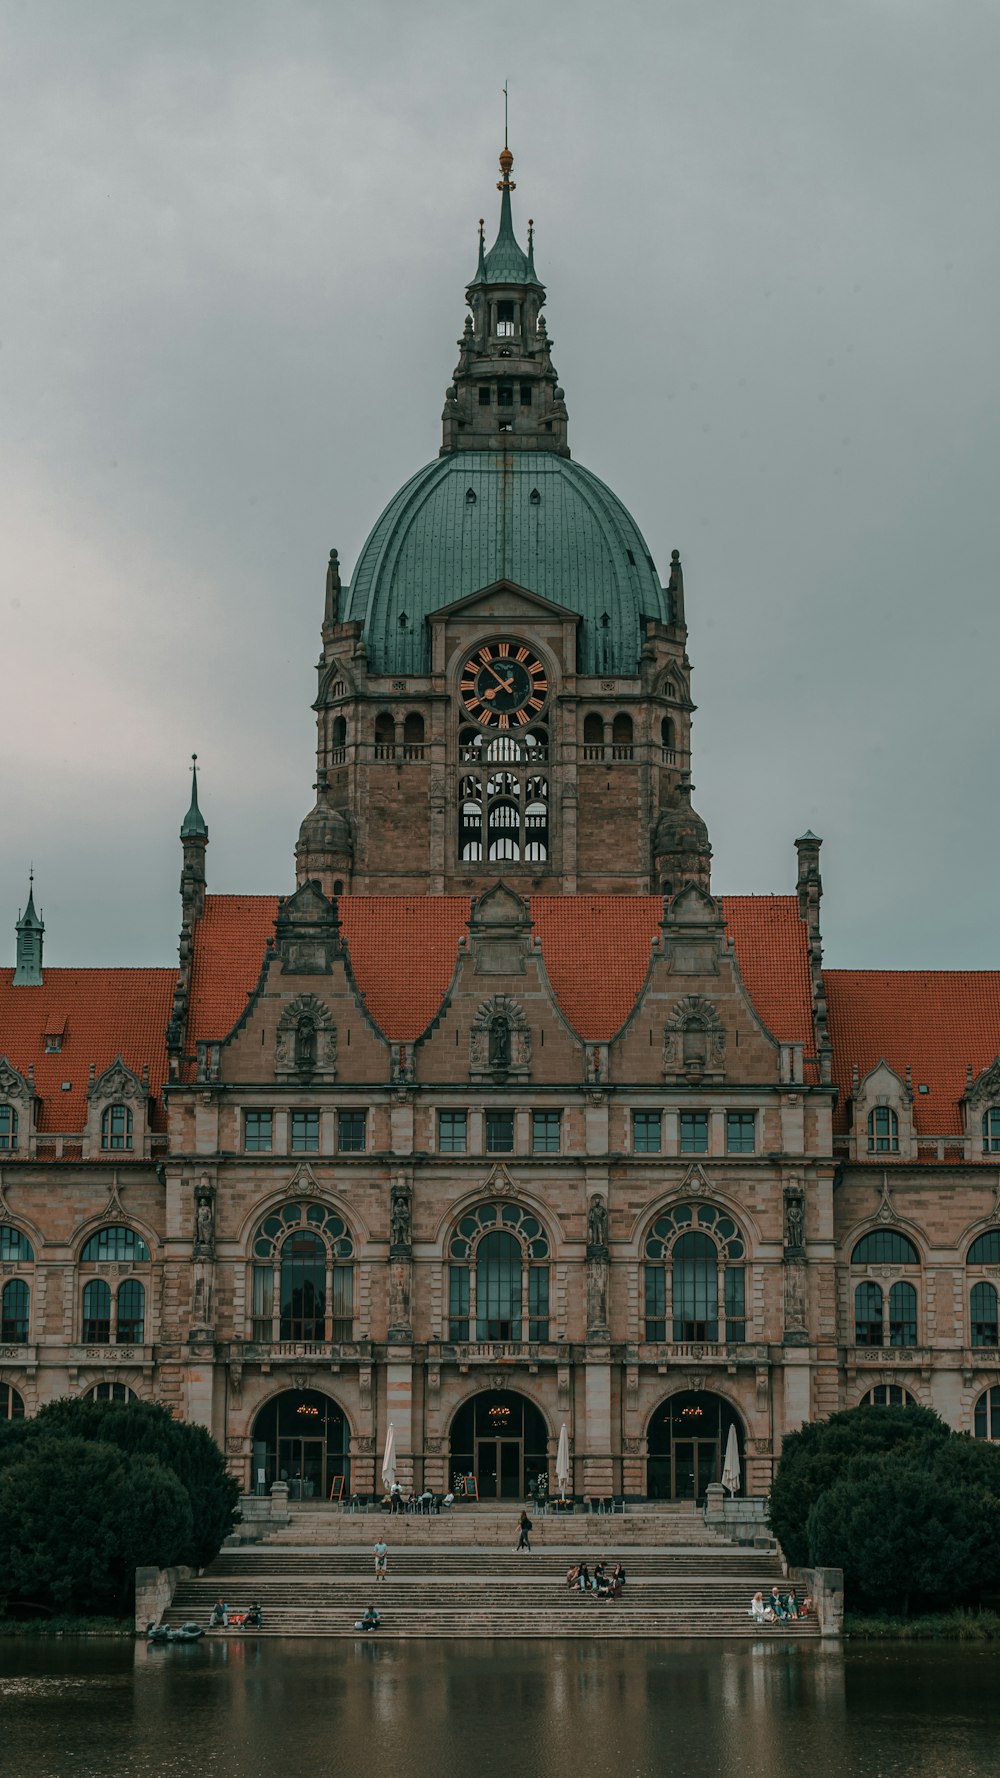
pixel 464 1593
pixel 682 1524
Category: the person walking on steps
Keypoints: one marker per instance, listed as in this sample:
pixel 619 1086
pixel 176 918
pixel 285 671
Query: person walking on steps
pixel 524 1529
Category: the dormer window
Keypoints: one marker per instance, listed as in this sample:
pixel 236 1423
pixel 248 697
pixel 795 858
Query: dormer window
pixel 991 1131
pixel 505 320
pixel 116 1127
pixel 883 1131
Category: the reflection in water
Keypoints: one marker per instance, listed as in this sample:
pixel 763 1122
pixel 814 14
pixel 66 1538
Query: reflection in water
pixel 242 1708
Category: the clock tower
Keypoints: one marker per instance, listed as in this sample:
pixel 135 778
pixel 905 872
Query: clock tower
pixel 504 688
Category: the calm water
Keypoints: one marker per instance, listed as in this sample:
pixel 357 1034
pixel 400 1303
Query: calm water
pixel 500 1710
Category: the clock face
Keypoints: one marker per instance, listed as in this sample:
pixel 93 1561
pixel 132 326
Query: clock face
pixel 504 685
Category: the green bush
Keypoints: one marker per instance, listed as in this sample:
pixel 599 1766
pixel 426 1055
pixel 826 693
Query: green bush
pixel 77 1516
pixel 147 1429
pixel 829 1451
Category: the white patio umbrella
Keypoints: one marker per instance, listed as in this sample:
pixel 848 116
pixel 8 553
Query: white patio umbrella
pixel 562 1461
pixel 389 1459
pixel 731 1467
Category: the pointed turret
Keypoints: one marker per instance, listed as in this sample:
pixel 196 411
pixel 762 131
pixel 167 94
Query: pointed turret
pixel 30 933
pixel 505 395
pixel 194 839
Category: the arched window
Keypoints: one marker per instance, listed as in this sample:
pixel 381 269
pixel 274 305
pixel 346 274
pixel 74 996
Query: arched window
pixel 512 805
pixel 338 739
pixel 8 1128
pixel 14 1307
pixel 983 1314
pixel 887 1395
pixel 303 1278
pixel 504 830
pixel 991 1131
pixel 667 735
pixel 985 1249
pixel 902 1315
pixel 11 1405
pixel 413 735
pixel 621 737
pixel 131 1305
pixel 883 1131
pixel 385 736
pixel 116 1127
pixel 986 1420
pixel 115 1243
pixel 111 1392
pixel 14 1246
pixel 868 1314
pixel 697 1252
pixel 510 1277
pixel 885 1247
pixel 593 735
pixel 96 1329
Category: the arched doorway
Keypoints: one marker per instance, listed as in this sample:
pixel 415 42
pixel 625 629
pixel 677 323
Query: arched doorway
pixel 688 1435
pixel 300 1437
pixel 501 1439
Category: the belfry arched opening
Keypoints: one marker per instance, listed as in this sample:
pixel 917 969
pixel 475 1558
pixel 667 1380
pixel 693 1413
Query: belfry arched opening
pixel 301 1437
pixel 688 1435
pixel 500 1438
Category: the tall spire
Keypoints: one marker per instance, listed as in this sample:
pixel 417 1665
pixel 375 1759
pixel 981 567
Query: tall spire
pixel 30 933
pixel 505 393
pixel 194 825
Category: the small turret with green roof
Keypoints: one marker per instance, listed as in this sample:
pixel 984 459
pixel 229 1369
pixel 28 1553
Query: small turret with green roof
pixel 30 934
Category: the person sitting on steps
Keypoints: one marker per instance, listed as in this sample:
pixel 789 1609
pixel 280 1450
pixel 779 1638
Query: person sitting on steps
pixel 370 1621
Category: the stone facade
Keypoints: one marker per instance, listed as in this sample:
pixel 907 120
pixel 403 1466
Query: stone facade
pixel 501 1121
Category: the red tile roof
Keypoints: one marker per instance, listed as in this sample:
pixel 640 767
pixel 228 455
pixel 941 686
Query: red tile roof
pixel 102 1013
pixel 938 1021
pixel 596 948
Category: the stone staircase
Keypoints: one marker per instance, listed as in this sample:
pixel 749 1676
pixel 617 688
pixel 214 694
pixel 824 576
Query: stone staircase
pixel 674 1524
pixel 480 1592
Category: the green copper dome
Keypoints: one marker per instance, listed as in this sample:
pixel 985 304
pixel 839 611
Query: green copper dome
pixel 471 518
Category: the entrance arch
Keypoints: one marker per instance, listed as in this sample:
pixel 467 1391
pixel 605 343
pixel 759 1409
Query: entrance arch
pixel 688 1434
pixel 301 1437
pixel 501 1438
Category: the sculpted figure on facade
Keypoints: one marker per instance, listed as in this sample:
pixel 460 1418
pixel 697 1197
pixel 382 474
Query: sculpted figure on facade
pixel 500 1040
pixel 694 1039
pixel 597 1222
pixel 306 1040
pixel 399 1219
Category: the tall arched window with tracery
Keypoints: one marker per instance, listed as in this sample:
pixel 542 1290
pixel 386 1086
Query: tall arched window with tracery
pixel 983 1313
pixel 695 1280
pixel 114 1313
pixel 885 1317
pixel 498 1275
pixel 302 1286
pixel 503 797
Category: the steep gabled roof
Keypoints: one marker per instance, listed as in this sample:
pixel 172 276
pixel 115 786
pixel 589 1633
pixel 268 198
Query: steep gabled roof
pixel 937 1021
pixel 101 1014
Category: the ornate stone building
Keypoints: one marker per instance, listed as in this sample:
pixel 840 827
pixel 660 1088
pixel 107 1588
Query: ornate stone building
pixel 501 1120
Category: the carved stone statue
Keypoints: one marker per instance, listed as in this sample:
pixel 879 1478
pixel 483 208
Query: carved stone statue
pixel 305 1046
pixel 795 1223
pixel 499 1042
pixel 597 1222
pixel 399 1224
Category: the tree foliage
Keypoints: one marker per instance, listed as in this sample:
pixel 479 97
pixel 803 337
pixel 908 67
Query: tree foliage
pixel 77 1516
pixel 845 1446
pixel 149 1444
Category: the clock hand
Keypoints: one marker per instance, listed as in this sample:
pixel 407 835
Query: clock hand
pixel 507 684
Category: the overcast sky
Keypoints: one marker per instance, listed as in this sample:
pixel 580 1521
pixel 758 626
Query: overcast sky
pixel 236 236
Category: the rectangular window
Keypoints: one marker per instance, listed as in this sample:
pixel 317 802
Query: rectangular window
pixel 499 1132
pixel 656 1303
pixel 538 1303
pixel 305 1132
pixel 736 1326
pixel 458 1302
pixel 505 319
pixel 453 1132
pixel 525 394
pixel 484 395
pixel 351 1131
pixel 741 1132
pixel 343 1303
pixel 645 1132
pixel 8 1127
pixel 546 1132
pixel 505 395
pixel 694 1132
pixel 258 1131
pixel 263 1302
